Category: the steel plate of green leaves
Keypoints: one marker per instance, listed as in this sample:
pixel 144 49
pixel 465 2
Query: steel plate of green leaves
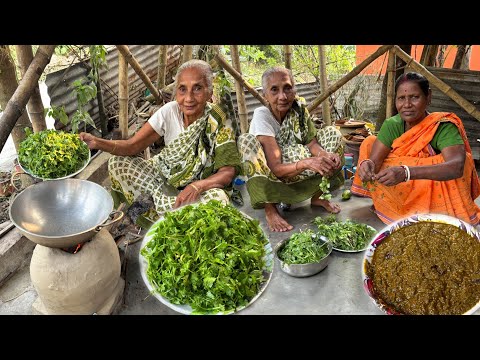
pixel 206 258
pixel 53 155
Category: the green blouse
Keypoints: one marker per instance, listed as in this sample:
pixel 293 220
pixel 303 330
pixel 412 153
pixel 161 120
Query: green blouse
pixel 447 134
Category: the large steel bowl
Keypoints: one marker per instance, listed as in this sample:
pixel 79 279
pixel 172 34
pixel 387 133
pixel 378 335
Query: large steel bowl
pixel 62 213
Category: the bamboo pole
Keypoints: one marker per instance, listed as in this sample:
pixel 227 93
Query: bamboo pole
pixel 138 69
pixel 16 105
pixel 356 70
pixel 442 86
pixel 123 95
pixel 162 66
pixel 287 50
pixel 327 119
pixel 390 84
pixel 242 107
pixel 224 64
pixel 187 53
pixel 34 106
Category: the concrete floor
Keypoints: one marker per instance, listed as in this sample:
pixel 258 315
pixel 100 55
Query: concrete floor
pixel 336 290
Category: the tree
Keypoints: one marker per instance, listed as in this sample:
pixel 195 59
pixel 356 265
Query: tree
pixel 8 85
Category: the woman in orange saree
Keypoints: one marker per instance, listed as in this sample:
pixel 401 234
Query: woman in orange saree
pixel 419 162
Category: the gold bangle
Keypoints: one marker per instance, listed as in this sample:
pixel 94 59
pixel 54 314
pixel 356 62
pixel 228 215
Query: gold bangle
pixel 114 146
pixel 296 166
pixel 196 188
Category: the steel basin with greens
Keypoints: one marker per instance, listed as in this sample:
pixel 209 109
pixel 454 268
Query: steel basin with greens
pixel 307 269
pixel 62 213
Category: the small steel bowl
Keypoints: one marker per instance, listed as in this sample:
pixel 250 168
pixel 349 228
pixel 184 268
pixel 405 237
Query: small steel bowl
pixel 304 270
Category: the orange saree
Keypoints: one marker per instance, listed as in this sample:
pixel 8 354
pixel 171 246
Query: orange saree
pixel 453 197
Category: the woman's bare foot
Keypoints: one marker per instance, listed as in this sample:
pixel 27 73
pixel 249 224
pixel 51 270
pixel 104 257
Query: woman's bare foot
pixel 330 206
pixel 274 220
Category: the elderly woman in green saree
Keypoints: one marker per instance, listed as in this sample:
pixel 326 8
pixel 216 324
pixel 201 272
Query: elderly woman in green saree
pixel 200 157
pixel 285 158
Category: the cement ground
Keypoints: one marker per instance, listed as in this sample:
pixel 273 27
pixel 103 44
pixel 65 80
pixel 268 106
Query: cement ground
pixel 337 290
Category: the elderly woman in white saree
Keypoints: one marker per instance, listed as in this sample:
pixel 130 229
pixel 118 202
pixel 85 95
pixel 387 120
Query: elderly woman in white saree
pixel 200 158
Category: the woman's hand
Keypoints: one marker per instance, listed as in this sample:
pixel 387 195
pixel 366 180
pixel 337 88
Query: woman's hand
pixel 335 158
pixel 89 139
pixel 366 170
pixel 391 176
pixel 324 165
pixel 190 194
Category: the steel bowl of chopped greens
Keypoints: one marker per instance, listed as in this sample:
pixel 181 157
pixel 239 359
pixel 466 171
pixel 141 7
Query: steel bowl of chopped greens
pixel 303 254
pixel 53 155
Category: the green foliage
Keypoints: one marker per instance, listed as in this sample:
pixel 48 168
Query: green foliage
pixel 52 154
pixel 206 255
pixel 255 59
pixel 98 59
pixel 303 248
pixel 325 189
pixel 347 235
pixel 85 90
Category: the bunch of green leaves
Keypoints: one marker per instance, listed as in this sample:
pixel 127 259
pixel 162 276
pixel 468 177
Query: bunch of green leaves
pixel 207 255
pixel 51 154
pixel 369 185
pixel 85 92
pixel 325 189
pixel 347 235
pixel 303 247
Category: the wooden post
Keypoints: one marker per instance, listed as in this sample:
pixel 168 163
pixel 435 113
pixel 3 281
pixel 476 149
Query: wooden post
pixel 287 50
pixel 187 53
pixel 442 86
pixel 327 119
pixel 123 95
pixel 242 107
pixel 356 70
pixel 16 105
pixel 224 64
pixel 34 106
pixel 390 84
pixel 162 66
pixel 138 69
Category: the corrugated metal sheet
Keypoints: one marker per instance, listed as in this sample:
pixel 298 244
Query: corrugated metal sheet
pixel 60 83
pixel 467 84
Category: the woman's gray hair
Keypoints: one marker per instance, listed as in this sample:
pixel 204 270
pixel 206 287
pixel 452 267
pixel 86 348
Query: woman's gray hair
pixel 274 70
pixel 204 68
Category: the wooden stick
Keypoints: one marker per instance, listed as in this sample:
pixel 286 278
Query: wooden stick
pixel 287 50
pixel 242 107
pixel 162 66
pixel 138 69
pixel 224 64
pixel 16 105
pixel 324 84
pixel 390 84
pixel 442 86
pixel 187 53
pixel 356 70
pixel 34 106
pixel 123 95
